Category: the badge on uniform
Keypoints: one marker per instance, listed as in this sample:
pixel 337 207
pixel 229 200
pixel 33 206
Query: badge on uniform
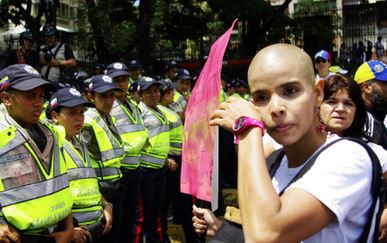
pixel 85 136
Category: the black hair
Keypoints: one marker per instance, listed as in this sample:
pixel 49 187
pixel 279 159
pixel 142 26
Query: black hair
pixel 57 109
pixel 164 91
pixel 338 82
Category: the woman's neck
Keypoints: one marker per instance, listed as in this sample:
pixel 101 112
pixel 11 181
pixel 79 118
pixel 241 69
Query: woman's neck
pixel 299 152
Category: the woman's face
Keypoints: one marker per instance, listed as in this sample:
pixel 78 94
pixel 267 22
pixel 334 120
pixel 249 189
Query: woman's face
pixel 71 118
pixel 286 97
pixel 122 82
pixel 338 112
pixel 104 101
pixel 151 96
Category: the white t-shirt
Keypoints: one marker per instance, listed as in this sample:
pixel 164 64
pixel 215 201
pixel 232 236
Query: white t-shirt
pixel 381 153
pixel 341 180
pixel 318 78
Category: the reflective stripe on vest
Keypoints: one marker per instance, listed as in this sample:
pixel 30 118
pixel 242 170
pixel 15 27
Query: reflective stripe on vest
pixel 107 172
pixel 36 190
pixel 131 160
pixel 152 160
pixel 112 154
pixel 177 145
pixel 130 128
pixel 80 173
pixel 88 217
pixel 158 130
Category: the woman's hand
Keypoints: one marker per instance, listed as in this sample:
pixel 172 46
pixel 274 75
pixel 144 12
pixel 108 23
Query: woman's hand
pixel 230 110
pixel 205 221
pixel 108 215
pixel 82 235
pixel 172 165
pixel 9 234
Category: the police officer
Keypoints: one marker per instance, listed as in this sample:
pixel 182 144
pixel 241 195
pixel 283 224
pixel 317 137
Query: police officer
pixel 24 54
pixel 130 126
pixel 101 136
pixel 223 95
pixel 133 94
pixel 171 68
pixel 135 71
pixel 104 143
pixel 153 157
pixel 34 194
pixel 182 91
pixel 56 58
pixel 66 108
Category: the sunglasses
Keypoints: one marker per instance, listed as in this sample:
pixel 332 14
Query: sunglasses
pixel 320 60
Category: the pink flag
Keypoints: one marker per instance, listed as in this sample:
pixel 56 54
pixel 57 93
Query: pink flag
pixel 198 145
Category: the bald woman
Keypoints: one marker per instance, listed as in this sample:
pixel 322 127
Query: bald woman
pixel 330 203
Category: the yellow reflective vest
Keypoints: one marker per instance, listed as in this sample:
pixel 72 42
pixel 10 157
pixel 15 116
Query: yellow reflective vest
pixel 87 206
pixel 179 99
pixel 222 96
pixel 157 147
pixel 111 148
pixel 176 130
pixel 33 199
pixel 132 130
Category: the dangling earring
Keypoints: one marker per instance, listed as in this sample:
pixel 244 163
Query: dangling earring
pixel 321 126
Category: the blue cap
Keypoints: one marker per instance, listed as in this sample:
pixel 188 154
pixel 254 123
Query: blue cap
pixel 170 64
pixel 21 77
pixel 135 64
pixel 66 97
pixel 26 35
pixel 166 85
pixel 238 83
pixel 49 30
pixel 117 69
pixel 145 82
pixel 183 74
pixel 102 83
pixel 323 54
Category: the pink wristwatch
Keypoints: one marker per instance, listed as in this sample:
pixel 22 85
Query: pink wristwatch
pixel 244 122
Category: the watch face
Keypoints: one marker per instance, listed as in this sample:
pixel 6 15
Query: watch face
pixel 239 123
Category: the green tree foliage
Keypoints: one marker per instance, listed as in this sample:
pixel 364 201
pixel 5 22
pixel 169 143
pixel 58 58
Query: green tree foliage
pixel 19 12
pixel 260 23
pixel 107 29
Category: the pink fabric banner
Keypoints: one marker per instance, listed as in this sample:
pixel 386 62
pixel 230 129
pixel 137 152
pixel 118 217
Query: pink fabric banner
pixel 198 144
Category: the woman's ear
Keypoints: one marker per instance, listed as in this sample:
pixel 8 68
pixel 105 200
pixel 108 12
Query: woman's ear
pixel 90 97
pixel 319 92
pixel 55 117
pixel 5 98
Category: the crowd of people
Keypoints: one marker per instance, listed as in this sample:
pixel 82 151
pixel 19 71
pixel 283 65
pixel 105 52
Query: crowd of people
pixel 102 162
pixel 360 52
